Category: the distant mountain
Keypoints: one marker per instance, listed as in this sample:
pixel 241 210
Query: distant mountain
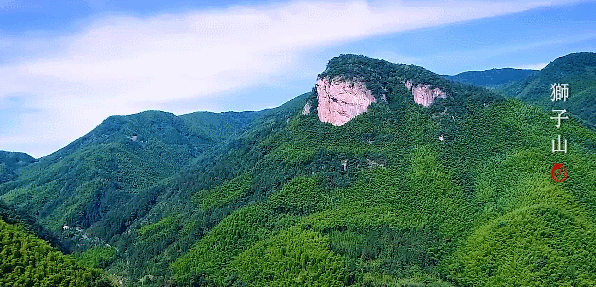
pixel 11 163
pixel 578 70
pixel 383 175
pixel 492 78
pixel 125 155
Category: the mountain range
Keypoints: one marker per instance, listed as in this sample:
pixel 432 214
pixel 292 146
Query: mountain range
pixel 492 78
pixel 578 70
pixel 383 175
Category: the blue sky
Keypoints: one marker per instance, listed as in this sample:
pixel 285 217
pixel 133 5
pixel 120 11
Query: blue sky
pixel 67 65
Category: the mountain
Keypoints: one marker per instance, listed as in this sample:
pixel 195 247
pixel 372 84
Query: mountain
pixel 11 163
pixel 492 78
pixel 383 175
pixel 454 193
pixel 578 70
pixel 122 157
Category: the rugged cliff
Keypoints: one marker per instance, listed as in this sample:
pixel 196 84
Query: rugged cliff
pixel 340 101
pixel 424 95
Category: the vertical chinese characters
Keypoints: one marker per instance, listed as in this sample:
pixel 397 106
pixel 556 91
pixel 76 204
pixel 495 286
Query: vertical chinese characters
pixel 559 92
pixel 558 125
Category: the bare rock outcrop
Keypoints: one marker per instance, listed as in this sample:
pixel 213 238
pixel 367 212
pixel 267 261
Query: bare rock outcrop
pixel 306 109
pixel 424 95
pixel 340 101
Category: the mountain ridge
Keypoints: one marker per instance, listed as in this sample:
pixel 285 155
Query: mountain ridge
pixel 401 194
pixel 12 163
pixel 107 165
pixel 492 78
pixel 576 69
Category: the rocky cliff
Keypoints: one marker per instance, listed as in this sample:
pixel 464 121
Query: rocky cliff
pixel 340 101
pixel 424 95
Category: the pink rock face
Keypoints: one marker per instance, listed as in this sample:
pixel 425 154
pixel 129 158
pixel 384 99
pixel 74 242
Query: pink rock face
pixel 340 101
pixel 424 95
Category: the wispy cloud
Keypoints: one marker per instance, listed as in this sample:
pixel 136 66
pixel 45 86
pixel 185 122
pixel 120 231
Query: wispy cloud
pixel 538 66
pixel 123 64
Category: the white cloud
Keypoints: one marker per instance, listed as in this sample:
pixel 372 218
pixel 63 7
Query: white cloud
pixel 5 4
pixel 124 64
pixel 538 66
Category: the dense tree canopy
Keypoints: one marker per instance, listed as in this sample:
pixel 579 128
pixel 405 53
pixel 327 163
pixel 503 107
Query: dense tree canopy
pixel 455 194
pixel 29 261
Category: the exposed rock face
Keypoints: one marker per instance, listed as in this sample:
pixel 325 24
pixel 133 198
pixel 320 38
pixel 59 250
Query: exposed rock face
pixel 341 101
pixel 306 109
pixel 424 95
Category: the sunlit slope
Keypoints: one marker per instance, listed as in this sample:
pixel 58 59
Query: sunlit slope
pixel 455 194
pixel 29 261
pixel 477 209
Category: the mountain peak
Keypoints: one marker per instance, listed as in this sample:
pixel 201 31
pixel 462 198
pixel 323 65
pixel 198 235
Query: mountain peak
pixel 351 83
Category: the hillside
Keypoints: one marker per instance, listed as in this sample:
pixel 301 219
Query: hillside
pixel 79 185
pixel 578 70
pixel 383 175
pixel 493 78
pixel 11 163
pixel 383 201
pixel 29 261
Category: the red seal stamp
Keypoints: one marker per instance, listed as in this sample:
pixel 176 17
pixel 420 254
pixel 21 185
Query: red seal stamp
pixel 558 173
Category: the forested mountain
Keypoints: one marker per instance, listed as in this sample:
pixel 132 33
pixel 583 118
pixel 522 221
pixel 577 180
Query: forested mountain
pixel 493 78
pixel 455 193
pixel 79 185
pixel 476 208
pixel 11 163
pixel 578 70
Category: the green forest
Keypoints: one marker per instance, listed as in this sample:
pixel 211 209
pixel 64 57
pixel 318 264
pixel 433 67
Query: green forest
pixel 455 194
pixel 29 261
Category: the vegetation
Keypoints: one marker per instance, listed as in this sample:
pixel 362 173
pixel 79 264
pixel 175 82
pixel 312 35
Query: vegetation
pixel 493 78
pixel 85 183
pixel 224 194
pixel 29 261
pixel 98 257
pixel 576 69
pixel 456 194
pixel 11 163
